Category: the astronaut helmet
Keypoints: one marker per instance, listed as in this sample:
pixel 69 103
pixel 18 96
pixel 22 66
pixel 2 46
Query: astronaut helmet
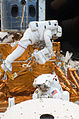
pixel 42 81
pixel 45 81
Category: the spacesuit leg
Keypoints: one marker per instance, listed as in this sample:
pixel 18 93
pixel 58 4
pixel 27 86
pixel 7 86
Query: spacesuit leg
pixel 25 41
pixel 10 58
pixel 6 66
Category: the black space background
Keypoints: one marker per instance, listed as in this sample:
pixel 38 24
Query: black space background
pixel 67 14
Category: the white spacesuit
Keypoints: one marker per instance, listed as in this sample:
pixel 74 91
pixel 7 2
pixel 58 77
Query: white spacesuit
pixel 37 31
pixel 48 86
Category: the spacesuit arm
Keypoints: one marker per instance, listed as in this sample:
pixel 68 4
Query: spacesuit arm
pixel 47 38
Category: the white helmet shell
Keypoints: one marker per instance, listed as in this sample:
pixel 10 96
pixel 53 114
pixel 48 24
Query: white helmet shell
pixel 48 79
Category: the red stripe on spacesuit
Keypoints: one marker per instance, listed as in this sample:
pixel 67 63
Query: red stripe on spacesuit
pixel 54 78
pixel 21 46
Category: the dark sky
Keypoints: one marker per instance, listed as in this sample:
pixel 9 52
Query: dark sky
pixel 67 14
pixel 66 10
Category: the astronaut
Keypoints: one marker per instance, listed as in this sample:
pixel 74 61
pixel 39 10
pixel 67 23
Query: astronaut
pixel 48 86
pixel 37 31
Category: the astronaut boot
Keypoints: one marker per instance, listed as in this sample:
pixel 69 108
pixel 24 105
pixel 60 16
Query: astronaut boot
pixel 7 67
pixel 1 72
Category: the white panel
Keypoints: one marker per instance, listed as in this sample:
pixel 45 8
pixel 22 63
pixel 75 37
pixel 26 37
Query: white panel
pixel 33 109
pixel 41 10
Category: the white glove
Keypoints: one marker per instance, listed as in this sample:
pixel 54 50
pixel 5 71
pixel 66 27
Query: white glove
pixel 42 56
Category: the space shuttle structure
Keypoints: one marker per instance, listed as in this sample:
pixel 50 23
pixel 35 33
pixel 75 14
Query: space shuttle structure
pixel 15 15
